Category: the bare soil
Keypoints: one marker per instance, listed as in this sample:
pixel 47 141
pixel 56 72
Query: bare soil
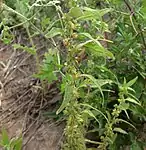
pixel 22 99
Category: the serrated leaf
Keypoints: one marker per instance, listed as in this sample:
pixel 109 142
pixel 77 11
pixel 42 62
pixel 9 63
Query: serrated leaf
pixel 49 67
pixel 120 130
pixel 54 32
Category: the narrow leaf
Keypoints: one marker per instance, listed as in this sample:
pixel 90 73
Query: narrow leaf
pixel 120 130
pixel 95 110
pixel 4 139
pixel 89 112
pixel 132 101
pixel 30 50
pixel 121 120
pixel 54 32
pixel 130 83
pixel 68 96
pixel 94 81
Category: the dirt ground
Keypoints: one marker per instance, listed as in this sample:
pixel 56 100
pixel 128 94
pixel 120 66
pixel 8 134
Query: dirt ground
pixel 22 100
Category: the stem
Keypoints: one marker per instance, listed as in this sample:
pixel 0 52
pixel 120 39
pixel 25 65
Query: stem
pixel 139 26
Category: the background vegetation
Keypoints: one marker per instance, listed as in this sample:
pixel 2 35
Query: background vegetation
pixel 97 55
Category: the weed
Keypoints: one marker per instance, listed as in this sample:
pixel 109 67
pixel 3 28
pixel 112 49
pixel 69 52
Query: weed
pixel 102 44
pixel 10 144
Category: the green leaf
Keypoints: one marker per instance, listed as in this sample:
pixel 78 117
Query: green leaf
pixel 90 14
pixel 105 11
pixel 4 138
pixel 87 35
pixel 136 146
pixel 16 144
pixel 91 148
pixel 127 113
pixel 90 37
pixel 54 32
pixel 45 22
pixel 48 75
pixel 22 7
pixel 99 50
pixel 30 50
pixel 116 1
pixel 131 82
pixel 75 12
pixel 84 44
pixel 68 96
pixel 53 115
pixel 121 120
pixel 50 67
pixel 87 105
pixel 93 142
pixel 101 82
pixel 89 112
pixel 132 101
pixel 96 84
pixel 143 9
pixel 120 130
pixel 96 48
pixel 124 106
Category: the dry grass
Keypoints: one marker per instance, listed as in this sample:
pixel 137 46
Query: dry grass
pixel 22 99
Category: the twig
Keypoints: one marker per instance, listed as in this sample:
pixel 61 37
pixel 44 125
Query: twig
pixel 16 110
pixel 28 110
pixel 32 135
pixel 25 92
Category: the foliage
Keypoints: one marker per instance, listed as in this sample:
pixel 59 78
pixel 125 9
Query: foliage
pixel 100 61
pixel 10 144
